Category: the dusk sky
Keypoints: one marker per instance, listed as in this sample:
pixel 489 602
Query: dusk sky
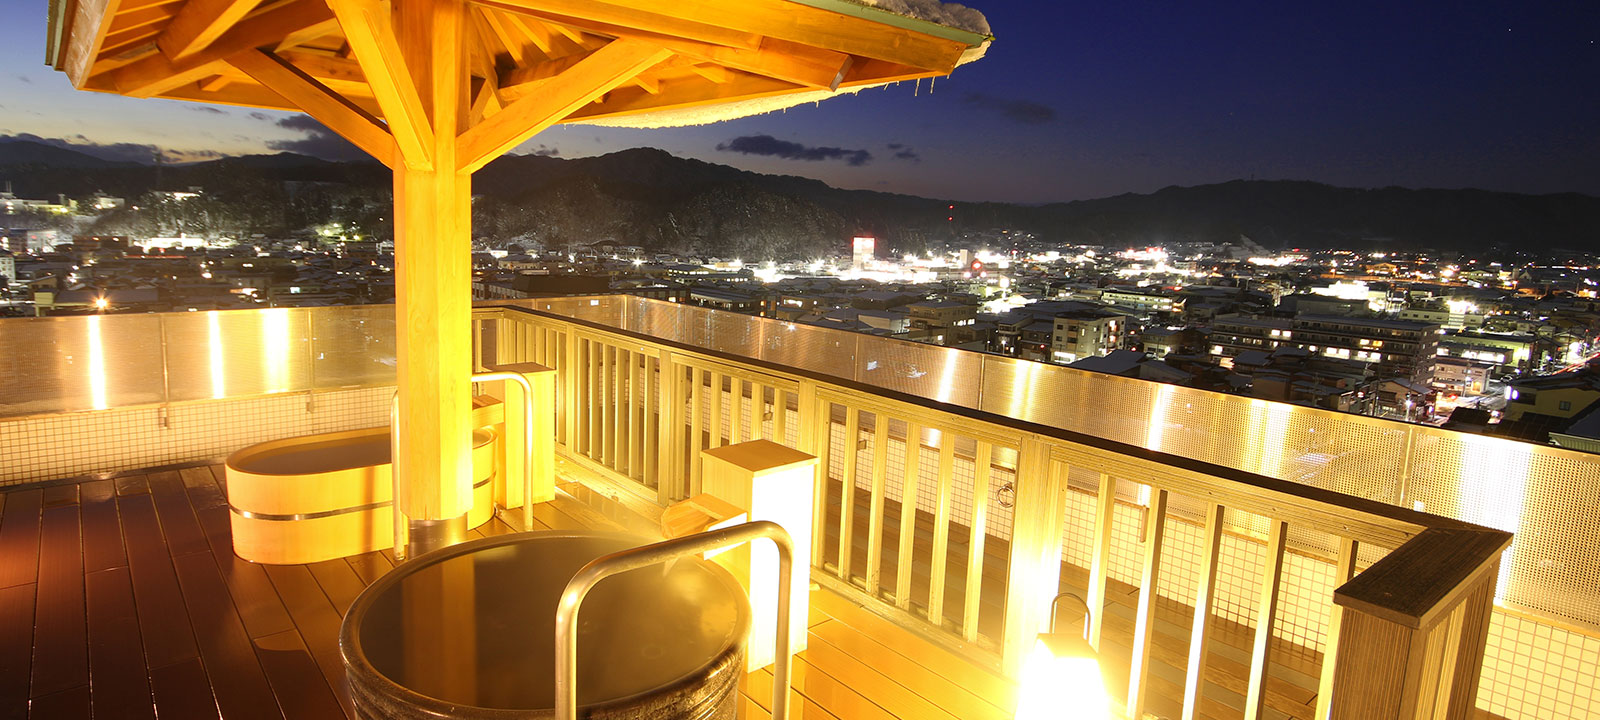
pixel 1074 101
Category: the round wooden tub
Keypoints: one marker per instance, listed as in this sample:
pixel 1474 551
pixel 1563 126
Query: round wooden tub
pixel 318 497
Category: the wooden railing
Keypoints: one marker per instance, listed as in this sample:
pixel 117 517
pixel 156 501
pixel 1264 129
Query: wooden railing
pixel 951 521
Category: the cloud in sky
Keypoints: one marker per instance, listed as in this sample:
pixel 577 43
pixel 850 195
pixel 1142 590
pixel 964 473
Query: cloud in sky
pixel 905 152
pixel 207 109
pixel 317 140
pixel 770 146
pixel 542 151
pixel 1024 112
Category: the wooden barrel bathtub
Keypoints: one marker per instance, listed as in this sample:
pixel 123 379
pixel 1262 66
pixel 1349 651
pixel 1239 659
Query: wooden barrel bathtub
pixel 317 497
pixel 468 632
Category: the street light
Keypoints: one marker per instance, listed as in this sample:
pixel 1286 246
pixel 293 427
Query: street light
pixel 101 303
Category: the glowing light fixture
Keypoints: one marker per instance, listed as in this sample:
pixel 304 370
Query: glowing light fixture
pixel 97 366
pixel 219 373
pixel 1061 677
pixel 101 303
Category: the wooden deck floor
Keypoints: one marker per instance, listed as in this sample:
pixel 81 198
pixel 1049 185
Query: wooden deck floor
pixel 123 599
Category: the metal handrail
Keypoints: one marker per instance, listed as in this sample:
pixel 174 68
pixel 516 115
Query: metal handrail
pixel 400 529
pixel 634 558
pixel 527 435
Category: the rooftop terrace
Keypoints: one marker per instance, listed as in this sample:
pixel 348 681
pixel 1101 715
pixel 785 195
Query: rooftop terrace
pixel 300 371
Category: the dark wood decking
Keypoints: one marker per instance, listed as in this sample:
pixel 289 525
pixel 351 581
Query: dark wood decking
pixel 123 599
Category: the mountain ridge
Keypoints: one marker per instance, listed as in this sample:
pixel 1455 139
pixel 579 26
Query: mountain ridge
pixel 663 201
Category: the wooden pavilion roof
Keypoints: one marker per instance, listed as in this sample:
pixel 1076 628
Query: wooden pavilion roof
pixel 710 52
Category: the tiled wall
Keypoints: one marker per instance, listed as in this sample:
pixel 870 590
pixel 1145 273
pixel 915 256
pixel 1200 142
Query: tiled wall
pixel 51 447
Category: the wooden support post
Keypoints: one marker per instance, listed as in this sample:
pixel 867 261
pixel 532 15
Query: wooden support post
pixel 1034 572
pixel 1406 653
pixel 433 282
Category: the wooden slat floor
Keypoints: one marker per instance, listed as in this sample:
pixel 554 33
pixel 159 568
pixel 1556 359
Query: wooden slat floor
pixel 123 599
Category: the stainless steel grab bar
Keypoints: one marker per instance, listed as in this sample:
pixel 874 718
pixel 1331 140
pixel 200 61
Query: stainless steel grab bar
pixel 400 530
pixel 634 558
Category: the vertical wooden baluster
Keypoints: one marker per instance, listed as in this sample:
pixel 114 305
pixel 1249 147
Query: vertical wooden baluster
pixel 619 415
pixel 880 476
pixel 590 389
pixel 568 392
pixel 847 495
pixel 908 516
pixel 1255 706
pixel 1144 628
pixel 1205 596
pixel 715 395
pixel 780 416
pixel 735 411
pixel 821 430
pixel 758 411
pixel 639 464
pixel 697 393
pixel 668 432
pixel 597 412
pixel 608 406
pixel 1346 570
pixel 941 528
pixel 597 416
pixel 1105 511
pixel 980 520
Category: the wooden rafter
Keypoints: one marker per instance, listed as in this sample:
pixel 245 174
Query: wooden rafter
pixel 200 23
pixel 548 41
pixel 599 72
pixel 132 20
pixel 369 29
pixel 781 59
pixel 790 21
pixel 523 80
pixel 317 100
pixel 647 19
pixel 491 22
pixel 156 73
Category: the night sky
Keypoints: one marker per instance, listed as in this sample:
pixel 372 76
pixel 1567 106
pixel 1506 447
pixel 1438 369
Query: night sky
pixel 1075 100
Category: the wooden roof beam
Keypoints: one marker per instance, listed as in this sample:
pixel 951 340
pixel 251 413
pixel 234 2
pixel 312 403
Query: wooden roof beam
pixel 328 107
pixel 646 18
pixel 715 73
pixel 685 93
pixel 495 25
pixel 799 64
pixel 523 80
pixel 369 28
pixel 155 74
pixel 793 22
pixel 781 59
pixel 593 76
pixel 199 23
pixel 89 23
